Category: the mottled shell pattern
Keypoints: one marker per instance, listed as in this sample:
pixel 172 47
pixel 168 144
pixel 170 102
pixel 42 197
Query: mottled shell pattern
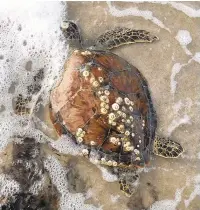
pixel 103 102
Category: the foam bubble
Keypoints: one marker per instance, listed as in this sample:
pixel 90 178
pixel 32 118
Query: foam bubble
pixel 134 11
pixel 108 176
pixel 65 145
pixel 196 191
pixel 184 103
pixel 8 186
pixel 114 198
pixel 184 37
pixel 186 9
pixel 168 204
pixel 197 57
pixel 189 11
pixel 178 122
pixel 30 41
pixel 175 70
pixel 58 176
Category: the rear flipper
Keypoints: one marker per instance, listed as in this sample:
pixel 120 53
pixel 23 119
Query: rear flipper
pixel 127 177
pixel 167 148
pixel 128 180
pixel 121 36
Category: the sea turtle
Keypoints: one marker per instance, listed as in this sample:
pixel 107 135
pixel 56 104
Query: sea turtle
pixel 104 103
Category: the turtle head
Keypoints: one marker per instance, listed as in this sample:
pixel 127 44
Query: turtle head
pixel 65 24
pixel 71 32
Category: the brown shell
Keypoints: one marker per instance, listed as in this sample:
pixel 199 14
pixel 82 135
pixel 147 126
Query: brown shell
pixel 102 101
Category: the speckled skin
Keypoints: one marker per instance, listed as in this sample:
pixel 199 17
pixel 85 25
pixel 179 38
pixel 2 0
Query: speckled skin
pixel 77 102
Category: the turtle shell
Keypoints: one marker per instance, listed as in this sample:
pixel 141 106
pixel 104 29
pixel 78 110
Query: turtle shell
pixel 104 102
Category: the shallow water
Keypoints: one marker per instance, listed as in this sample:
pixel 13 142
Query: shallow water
pixel 31 40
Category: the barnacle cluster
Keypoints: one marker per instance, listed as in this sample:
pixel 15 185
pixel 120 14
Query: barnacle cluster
pixel 119 115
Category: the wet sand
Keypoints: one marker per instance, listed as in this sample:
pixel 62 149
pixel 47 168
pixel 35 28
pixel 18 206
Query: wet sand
pixel 165 183
pixel 171 67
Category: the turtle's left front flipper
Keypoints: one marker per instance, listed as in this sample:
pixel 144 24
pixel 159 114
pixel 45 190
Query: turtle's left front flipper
pixel 20 105
pixel 24 105
pixel 121 36
pixel 167 148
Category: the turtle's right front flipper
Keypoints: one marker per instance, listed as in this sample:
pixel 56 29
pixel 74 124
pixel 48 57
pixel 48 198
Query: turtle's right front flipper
pixel 166 148
pixel 120 36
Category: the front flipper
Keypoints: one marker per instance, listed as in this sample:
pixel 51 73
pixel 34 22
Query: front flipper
pixel 127 180
pixel 121 36
pixel 167 148
pixel 21 105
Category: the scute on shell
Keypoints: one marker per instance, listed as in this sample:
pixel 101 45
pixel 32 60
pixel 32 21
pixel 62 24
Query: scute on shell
pixel 80 104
